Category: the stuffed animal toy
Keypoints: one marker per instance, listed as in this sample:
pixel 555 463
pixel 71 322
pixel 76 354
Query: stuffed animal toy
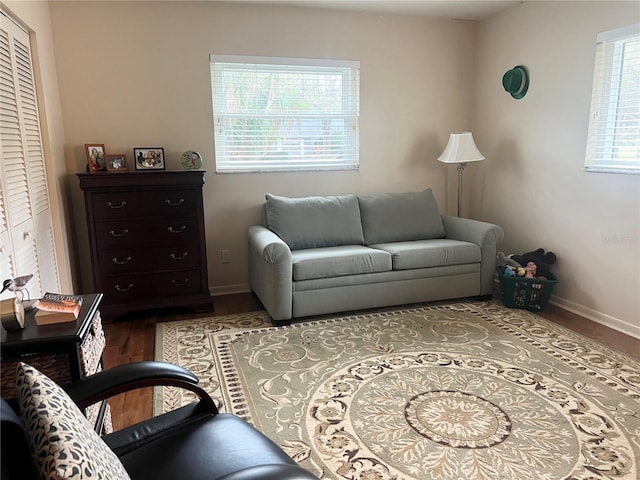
pixel 542 259
pixel 502 261
pixel 530 270
pixel 509 272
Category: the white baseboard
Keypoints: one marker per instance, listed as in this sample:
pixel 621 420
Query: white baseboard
pixel 598 317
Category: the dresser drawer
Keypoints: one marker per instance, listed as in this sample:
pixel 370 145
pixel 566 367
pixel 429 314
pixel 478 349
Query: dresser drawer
pixel 146 232
pixel 124 288
pixel 140 259
pixel 144 204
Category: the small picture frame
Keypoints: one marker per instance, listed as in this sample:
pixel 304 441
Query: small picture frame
pixel 95 156
pixel 117 162
pixel 149 158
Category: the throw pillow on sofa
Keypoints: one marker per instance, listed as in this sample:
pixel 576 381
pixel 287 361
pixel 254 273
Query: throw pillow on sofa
pixel 313 222
pixel 400 217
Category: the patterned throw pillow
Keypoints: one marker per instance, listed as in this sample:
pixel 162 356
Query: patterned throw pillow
pixel 63 444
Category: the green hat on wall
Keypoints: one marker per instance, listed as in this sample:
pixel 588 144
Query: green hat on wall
pixel 516 82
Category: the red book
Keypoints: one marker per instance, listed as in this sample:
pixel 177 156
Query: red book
pixel 57 308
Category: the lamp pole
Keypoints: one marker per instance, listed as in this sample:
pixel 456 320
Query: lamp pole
pixel 460 172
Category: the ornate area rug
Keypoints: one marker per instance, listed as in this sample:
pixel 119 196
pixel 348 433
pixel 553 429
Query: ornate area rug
pixel 470 391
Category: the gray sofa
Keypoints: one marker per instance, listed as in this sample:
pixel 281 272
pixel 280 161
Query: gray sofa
pixel 318 255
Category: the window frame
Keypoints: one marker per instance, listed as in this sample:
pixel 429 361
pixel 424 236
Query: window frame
pixel 350 69
pixel 604 137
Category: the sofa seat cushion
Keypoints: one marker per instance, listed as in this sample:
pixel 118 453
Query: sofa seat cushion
pixel 314 222
pixel 337 283
pixel 338 261
pixel 400 217
pixel 431 253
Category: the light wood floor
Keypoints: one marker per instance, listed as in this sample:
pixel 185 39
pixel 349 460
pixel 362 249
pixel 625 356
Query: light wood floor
pixel 132 339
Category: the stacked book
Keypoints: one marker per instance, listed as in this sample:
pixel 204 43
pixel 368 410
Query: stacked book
pixel 57 308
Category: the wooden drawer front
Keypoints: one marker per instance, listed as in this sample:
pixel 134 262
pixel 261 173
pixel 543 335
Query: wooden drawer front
pixel 140 259
pixel 152 232
pixel 126 288
pixel 120 205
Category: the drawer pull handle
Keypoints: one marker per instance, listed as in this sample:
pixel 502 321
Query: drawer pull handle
pixel 114 234
pixel 126 289
pixel 175 204
pixel 179 284
pixel 121 262
pixel 176 257
pixel 111 205
pixel 180 230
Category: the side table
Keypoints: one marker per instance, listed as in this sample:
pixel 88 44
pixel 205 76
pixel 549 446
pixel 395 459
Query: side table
pixel 64 352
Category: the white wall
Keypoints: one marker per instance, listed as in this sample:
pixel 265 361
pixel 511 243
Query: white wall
pixel 35 18
pixel 137 74
pixel 533 183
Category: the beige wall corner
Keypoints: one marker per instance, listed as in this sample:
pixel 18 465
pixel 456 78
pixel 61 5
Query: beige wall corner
pixel 533 182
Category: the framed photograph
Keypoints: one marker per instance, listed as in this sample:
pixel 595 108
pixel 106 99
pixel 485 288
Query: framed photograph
pixel 95 156
pixel 149 158
pixel 117 162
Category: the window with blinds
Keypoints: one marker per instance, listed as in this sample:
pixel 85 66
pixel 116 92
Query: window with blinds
pixel 613 142
pixel 285 114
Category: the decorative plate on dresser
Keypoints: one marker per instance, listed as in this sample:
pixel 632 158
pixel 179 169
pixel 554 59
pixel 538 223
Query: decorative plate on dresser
pixel 147 240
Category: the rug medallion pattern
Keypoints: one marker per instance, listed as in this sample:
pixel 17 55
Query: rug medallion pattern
pixel 469 391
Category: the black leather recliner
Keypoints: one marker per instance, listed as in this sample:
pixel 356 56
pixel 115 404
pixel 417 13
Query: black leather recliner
pixel 194 442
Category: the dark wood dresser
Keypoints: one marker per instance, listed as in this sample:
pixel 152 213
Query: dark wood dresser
pixel 147 240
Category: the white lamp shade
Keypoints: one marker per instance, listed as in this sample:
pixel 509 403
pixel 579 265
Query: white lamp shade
pixel 461 149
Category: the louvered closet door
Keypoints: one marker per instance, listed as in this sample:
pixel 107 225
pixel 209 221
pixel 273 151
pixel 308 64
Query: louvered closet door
pixel 26 229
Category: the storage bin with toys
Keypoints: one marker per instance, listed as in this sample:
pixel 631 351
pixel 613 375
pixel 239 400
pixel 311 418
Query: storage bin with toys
pixel 526 280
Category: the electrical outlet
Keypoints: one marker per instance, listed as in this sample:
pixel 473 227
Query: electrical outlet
pixel 225 256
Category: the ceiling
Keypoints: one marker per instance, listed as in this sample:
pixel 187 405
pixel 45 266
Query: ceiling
pixel 457 9
pixel 453 9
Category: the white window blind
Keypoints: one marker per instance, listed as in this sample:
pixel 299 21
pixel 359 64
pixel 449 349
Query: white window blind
pixel 285 114
pixel 613 142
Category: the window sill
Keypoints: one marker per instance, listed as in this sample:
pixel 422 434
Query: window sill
pixel 286 169
pixel 624 171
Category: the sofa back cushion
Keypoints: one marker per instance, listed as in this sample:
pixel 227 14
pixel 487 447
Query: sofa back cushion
pixel 400 217
pixel 313 222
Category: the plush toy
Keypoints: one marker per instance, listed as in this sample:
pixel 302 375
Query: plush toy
pixel 542 259
pixel 502 261
pixel 530 270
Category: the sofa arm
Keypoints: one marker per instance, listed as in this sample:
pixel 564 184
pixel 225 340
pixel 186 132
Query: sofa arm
pixel 270 272
pixel 486 236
